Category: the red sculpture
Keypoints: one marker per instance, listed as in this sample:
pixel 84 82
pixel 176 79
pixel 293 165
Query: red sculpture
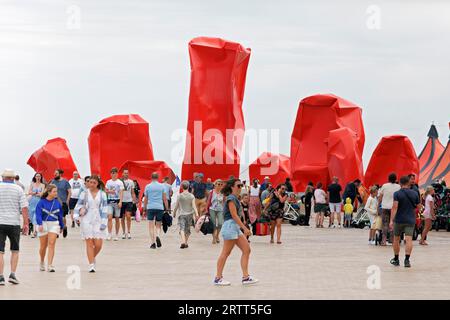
pixel 344 158
pixel 317 116
pixel 275 166
pixel 142 172
pixel 52 156
pixel 429 157
pixel 393 154
pixel 118 139
pixel 216 123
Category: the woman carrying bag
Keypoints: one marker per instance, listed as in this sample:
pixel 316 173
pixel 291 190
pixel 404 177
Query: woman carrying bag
pixel 92 212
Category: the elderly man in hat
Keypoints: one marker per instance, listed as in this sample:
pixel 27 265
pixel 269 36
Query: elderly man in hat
pixel 12 203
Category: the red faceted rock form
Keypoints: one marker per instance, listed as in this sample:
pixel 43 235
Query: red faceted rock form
pixel 317 116
pixel 215 129
pixel 393 154
pixel 429 157
pixel 52 156
pixel 142 172
pixel 118 139
pixel 275 166
pixel 344 158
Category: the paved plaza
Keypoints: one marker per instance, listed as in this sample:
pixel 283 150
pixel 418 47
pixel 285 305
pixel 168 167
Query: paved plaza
pixel 310 264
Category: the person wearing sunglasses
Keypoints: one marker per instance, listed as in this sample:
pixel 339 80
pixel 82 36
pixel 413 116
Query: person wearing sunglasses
pixel 232 234
pixel 276 211
pixel 215 206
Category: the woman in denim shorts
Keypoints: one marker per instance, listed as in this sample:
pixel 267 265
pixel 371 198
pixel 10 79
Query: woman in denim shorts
pixel 232 234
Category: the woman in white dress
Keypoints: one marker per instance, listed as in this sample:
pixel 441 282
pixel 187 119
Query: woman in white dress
pixel 92 212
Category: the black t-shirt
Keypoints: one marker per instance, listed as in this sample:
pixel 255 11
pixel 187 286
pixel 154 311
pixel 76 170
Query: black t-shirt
pixel 407 203
pixel 335 193
pixel 245 212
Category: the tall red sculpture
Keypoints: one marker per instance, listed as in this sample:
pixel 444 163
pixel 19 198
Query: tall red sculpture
pixel 275 166
pixel 430 156
pixel 142 171
pixel 55 154
pixel 317 116
pixel 118 139
pixel 393 154
pixel 344 158
pixel 216 123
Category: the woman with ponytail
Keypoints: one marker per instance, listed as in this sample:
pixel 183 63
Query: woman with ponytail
pixel 232 234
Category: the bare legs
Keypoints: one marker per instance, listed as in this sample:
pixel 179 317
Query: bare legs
pixel 275 224
pixel 426 229
pixel 47 246
pixel 126 220
pixel 93 248
pixel 228 246
pixel 14 262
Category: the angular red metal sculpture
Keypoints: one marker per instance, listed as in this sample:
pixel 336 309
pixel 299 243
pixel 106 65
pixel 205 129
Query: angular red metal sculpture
pixel 142 171
pixel 430 156
pixel 393 154
pixel 215 129
pixel 344 158
pixel 317 116
pixel 275 166
pixel 118 139
pixel 52 156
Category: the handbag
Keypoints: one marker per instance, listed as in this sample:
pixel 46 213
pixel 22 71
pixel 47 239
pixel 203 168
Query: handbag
pixel 207 226
pixel 138 215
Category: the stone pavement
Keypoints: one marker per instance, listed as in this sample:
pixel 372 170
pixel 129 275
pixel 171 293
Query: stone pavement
pixel 310 264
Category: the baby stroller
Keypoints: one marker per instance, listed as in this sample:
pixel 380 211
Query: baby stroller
pixel 293 214
pixel 362 219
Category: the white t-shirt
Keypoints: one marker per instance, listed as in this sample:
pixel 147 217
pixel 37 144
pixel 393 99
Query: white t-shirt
pixel 254 192
pixel 76 186
pixel 128 189
pixel 428 201
pixel 320 196
pixel 388 190
pixel 117 186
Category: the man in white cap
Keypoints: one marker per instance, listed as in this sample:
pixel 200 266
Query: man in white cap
pixel 12 203
pixel 265 184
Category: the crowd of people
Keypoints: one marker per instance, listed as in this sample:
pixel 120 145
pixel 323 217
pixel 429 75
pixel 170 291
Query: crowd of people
pixel 232 207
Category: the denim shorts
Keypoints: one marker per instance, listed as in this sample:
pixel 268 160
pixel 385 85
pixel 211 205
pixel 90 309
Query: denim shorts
pixel 231 230
pixel 153 214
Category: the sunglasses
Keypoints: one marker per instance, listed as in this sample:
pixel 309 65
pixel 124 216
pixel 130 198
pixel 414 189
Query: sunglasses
pixel 240 185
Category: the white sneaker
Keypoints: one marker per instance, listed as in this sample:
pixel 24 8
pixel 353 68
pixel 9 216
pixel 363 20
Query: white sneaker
pixel 129 236
pixel 124 236
pixel 109 237
pixel 370 242
pixel 334 227
pixel 221 282
pixel 92 268
pixel 250 280
pixel 51 269
pixel 42 267
pixel 374 242
pixel 116 238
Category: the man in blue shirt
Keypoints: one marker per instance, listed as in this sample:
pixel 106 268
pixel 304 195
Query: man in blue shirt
pixel 403 219
pixel 200 192
pixel 155 202
pixel 64 195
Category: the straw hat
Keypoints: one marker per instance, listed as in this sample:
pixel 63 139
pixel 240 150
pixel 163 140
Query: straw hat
pixel 8 173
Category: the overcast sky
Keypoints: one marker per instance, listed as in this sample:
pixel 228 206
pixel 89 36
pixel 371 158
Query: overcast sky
pixel 132 57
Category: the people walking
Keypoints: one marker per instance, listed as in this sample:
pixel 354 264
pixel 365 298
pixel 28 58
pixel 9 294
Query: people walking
pixel 186 208
pixel 320 204
pixel 233 236
pixel 216 201
pixel 92 212
pixel 128 201
pixel 386 198
pixel 276 211
pixel 64 195
pixel 77 185
pixel 428 214
pixel 155 202
pixel 335 199
pixel 403 220
pixel 255 206
pixel 49 218
pixel 12 203
pixel 35 192
pixel 200 193
pixel 114 190
pixel 169 193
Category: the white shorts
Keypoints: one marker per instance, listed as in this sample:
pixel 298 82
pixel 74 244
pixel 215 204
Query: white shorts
pixel 50 227
pixel 335 207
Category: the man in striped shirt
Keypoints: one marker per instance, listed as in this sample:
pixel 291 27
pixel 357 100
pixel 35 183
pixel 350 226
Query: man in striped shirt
pixel 12 203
